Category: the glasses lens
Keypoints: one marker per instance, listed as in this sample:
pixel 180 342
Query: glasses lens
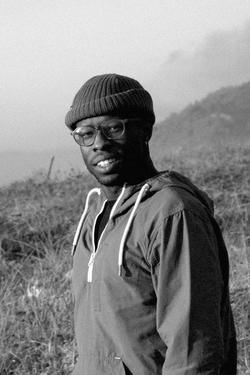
pixel 113 129
pixel 84 136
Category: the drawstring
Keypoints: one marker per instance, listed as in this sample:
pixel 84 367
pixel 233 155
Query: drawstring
pixel 95 250
pixel 116 203
pixel 79 227
pixel 125 233
pixel 127 227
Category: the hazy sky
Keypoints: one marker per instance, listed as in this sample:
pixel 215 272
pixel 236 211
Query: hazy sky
pixel 178 49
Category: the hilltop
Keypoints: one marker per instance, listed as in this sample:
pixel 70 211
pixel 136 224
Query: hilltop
pixel 222 117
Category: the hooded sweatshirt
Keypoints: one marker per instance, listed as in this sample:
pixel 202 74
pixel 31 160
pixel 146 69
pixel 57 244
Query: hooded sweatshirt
pixel 152 296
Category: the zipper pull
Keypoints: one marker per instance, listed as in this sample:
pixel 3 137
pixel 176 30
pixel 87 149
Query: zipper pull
pixel 90 266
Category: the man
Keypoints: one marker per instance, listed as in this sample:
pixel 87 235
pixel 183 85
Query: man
pixel 150 268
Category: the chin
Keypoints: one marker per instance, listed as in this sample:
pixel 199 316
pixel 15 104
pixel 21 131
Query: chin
pixel 115 177
pixel 110 180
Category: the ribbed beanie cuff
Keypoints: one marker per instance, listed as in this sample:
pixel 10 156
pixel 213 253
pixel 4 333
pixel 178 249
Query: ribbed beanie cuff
pixel 110 94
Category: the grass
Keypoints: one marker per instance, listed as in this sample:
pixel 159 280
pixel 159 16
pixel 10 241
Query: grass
pixel 38 217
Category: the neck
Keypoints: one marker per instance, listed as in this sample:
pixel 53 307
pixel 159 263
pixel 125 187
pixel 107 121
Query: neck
pixel 138 176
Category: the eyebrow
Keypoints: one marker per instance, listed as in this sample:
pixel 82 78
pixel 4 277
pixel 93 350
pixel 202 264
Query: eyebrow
pixel 82 125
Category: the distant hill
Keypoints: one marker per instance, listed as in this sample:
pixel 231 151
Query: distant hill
pixel 221 117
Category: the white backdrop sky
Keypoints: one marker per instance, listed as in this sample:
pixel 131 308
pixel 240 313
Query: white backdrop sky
pixel 49 48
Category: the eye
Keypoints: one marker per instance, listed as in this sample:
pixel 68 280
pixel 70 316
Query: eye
pixel 113 128
pixel 85 133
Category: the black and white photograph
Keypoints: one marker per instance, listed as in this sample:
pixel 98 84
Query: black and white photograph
pixel 125 187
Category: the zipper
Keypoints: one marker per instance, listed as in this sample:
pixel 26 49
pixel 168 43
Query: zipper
pixel 92 257
pixel 94 252
pixel 90 266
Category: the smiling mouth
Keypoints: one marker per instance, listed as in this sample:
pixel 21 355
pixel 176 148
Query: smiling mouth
pixel 106 164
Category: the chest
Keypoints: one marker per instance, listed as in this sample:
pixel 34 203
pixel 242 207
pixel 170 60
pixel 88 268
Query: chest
pixel 105 283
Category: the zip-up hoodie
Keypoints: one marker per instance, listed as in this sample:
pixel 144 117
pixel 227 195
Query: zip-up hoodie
pixel 152 296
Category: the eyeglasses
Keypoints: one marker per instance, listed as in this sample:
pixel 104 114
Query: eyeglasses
pixel 110 129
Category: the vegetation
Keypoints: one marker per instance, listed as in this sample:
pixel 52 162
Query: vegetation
pixel 37 223
pixel 221 115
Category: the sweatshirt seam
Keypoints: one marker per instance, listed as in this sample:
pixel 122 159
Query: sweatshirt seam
pixel 180 204
pixel 177 210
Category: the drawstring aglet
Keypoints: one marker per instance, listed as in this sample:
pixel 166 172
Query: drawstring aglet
pixel 120 270
pixel 73 249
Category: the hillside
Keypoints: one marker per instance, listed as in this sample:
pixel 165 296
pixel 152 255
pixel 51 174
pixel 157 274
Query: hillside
pixel 220 118
pixel 37 225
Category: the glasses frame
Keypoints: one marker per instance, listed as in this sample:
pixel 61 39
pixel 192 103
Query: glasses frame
pixel 100 128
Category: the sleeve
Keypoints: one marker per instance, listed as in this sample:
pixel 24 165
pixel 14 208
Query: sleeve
pixel 188 285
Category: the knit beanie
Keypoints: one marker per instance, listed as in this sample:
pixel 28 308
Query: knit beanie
pixel 111 94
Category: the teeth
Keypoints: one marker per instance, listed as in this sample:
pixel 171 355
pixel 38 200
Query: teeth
pixel 105 163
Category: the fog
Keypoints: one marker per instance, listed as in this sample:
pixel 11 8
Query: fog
pixel 179 50
pixel 221 59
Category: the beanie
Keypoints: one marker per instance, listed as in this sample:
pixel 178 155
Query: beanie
pixel 110 94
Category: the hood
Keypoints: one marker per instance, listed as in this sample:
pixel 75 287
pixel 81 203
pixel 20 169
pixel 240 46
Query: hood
pixel 175 179
pixel 131 197
pixel 160 181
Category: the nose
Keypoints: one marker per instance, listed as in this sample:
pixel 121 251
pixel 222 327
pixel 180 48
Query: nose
pixel 100 140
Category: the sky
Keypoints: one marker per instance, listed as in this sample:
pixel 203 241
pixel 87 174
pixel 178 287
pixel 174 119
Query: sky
pixel 179 50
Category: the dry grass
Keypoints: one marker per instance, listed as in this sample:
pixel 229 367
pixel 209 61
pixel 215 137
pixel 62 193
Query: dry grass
pixel 39 218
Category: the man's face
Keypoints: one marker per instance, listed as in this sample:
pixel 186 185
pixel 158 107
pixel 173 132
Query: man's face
pixel 115 161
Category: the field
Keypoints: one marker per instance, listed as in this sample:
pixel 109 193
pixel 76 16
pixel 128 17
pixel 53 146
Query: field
pixel 37 222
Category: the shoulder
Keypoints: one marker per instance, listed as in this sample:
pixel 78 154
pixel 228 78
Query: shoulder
pixel 170 196
pixel 170 200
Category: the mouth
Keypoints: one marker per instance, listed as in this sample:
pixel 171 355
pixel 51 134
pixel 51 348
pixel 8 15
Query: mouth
pixel 107 164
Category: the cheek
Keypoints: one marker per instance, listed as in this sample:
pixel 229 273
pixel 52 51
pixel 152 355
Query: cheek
pixel 136 139
pixel 84 156
pixel 135 147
